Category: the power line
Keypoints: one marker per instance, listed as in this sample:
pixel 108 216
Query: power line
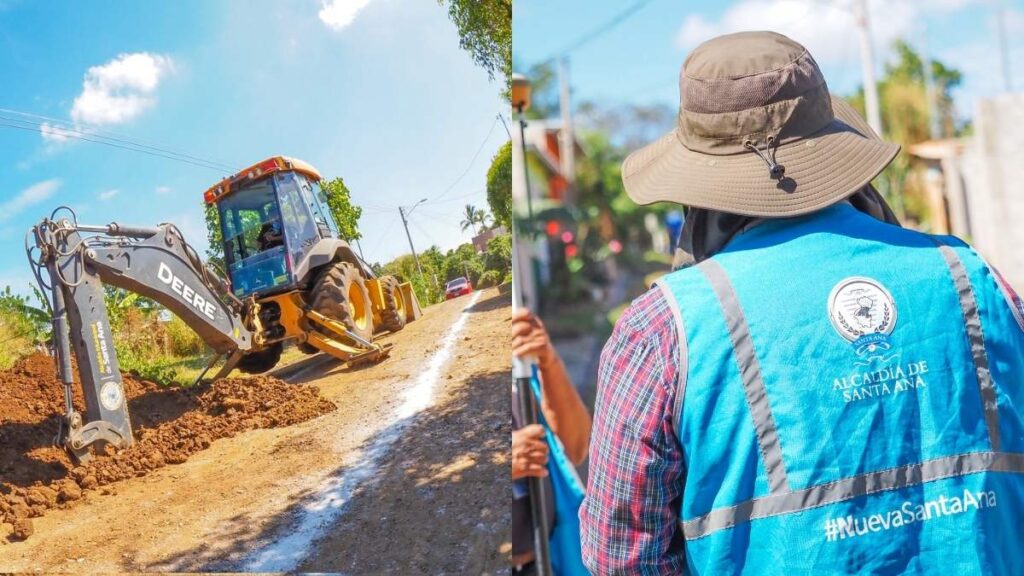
pixel 67 129
pixel 458 198
pixel 610 24
pixel 113 145
pixel 385 232
pixel 438 216
pixel 471 162
pixel 433 243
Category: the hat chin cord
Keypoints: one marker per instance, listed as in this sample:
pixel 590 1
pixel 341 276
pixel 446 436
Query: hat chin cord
pixel 775 170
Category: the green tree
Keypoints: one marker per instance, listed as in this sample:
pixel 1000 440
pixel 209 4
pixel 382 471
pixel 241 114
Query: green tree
pixel 346 214
pixel 485 31
pixel 904 108
pixel 463 261
pixel 470 218
pixel 499 186
pixel 499 254
pixel 23 319
pixel 485 219
pixel 215 251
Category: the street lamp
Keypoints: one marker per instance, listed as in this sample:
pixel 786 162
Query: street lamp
pixel 402 212
pixel 521 102
pixel 520 92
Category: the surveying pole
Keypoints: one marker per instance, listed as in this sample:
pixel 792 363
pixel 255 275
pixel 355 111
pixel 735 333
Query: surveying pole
pixel 522 376
pixel 522 368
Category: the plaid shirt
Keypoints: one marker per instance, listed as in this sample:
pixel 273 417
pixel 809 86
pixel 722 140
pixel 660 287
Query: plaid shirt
pixel 630 517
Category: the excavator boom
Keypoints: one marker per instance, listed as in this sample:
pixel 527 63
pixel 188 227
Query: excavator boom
pixel 154 262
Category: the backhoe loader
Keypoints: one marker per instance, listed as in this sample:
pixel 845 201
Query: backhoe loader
pixel 290 278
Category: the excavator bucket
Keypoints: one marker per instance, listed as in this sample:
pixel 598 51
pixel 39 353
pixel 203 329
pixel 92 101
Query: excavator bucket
pixel 412 305
pixel 409 304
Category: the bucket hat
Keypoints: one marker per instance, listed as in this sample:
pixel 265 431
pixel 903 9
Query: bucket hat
pixel 758 134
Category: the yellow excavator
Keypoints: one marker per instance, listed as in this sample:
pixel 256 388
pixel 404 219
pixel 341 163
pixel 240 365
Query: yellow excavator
pixel 289 278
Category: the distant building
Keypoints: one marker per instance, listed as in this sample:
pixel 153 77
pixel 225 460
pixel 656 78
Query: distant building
pixel 549 189
pixel 480 240
pixel 542 148
pixel 944 185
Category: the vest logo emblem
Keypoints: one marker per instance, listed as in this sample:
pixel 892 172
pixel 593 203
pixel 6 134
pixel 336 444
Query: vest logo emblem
pixel 863 312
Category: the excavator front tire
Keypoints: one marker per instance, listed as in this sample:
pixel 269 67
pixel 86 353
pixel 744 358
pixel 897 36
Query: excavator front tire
pixel 260 362
pixel 340 293
pixel 393 315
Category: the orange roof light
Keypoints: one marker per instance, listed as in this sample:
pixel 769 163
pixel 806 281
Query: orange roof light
pixel 259 171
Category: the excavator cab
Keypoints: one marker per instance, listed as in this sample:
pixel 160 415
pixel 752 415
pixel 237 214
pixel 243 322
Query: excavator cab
pixel 271 216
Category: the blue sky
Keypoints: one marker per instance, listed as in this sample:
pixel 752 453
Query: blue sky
pixel 638 61
pixel 375 91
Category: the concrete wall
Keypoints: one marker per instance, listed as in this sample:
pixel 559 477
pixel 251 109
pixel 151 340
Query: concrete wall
pixel 992 169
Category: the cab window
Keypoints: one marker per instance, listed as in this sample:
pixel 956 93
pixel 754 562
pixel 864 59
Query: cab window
pixel 312 194
pixel 300 225
pixel 250 222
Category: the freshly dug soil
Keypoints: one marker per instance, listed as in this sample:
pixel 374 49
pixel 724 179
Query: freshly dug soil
pixel 169 425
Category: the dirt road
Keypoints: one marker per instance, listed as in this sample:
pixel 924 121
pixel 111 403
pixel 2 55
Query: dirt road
pixel 406 475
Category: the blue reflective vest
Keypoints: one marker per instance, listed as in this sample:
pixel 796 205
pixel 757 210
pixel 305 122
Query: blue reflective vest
pixel 566 554
pixel 851 403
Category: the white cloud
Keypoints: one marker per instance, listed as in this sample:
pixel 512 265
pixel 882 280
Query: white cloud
pixel 828 30
pixel 108 194
pixel 163 190
pixel 54 134
pixel 338 14
pixel 121 89
pixel 30 196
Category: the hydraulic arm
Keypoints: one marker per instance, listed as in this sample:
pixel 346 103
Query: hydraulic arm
pixel 154 262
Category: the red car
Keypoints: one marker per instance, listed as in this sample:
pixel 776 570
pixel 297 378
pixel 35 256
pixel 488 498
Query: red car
pixel 457 287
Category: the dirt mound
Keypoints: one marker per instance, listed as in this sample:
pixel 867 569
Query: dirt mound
pixel 169 426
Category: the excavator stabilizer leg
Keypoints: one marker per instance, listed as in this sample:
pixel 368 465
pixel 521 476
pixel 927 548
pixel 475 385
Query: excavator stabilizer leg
pixel 347 346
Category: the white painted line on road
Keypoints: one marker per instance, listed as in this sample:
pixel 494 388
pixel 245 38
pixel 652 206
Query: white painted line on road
pixel 323 508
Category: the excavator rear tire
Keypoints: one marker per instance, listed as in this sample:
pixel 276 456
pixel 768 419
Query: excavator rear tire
pixel 260 362
pixel 392 317
pixel 340 293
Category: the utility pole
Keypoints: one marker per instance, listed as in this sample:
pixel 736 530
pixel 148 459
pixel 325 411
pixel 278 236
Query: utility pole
pixel 505 124
pixel 401 212
pixel 566 138
pixel 867 58
pixel 1004 51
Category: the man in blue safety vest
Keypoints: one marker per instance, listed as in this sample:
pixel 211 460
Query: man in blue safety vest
pixel 816 389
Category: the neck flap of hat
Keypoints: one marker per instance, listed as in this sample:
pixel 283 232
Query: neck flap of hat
pixel 747 87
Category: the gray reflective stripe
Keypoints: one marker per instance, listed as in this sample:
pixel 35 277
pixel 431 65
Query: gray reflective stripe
pixel 750 371
pixel 854 487
pixel 972 320
pixel 681 370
